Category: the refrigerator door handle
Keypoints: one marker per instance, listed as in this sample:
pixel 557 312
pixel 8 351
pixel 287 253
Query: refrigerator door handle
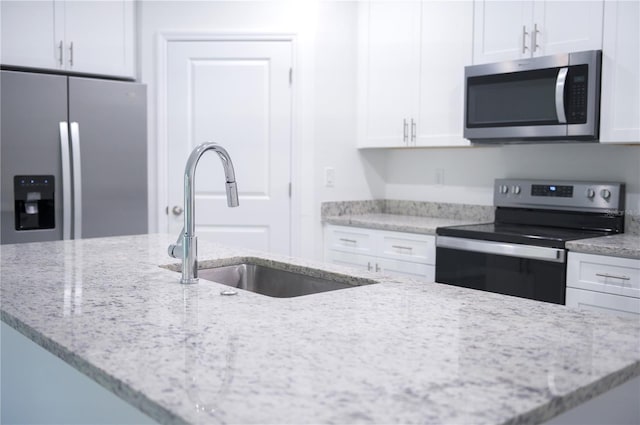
pixel 77 181
pixel 66 180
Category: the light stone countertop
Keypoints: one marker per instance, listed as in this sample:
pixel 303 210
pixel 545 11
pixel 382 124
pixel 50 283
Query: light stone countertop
pixel 397 351
pixel 622 245
pixel 396 222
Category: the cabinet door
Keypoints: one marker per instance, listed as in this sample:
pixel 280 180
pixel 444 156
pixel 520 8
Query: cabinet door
pixel 388 72
pixel 405 268
pixel 99 37
pixel 502 30
pixel 446 48
pixel 620 112
pixel 566 26
pixel 32 33
pixel 605 303
pixel 349 259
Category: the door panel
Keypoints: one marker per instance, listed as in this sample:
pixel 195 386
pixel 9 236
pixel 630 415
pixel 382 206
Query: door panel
pixel 111 116
pixel 237 94
pixel 32 107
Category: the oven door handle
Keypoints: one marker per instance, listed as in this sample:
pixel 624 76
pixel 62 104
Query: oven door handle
pixel 500 248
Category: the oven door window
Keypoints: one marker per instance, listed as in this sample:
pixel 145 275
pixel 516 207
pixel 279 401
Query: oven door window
pixel 534 279
pixel 517 99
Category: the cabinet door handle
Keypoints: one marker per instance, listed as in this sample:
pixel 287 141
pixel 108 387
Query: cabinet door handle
pixel 606 275
pixel 413 131
pixel 405 131
pixel 60 51
pixel 71 53
pixel 348 241
pixel 524 39
pixel 407 248
pixel 377 267
pixel 369 266
pixel 534 38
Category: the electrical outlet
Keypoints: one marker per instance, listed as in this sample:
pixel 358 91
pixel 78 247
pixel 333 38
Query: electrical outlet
pixel 329 176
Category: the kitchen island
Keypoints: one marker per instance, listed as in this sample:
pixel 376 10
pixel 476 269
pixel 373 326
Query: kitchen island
pixel 395 351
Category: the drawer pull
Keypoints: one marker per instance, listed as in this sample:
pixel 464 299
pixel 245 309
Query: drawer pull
pixel 408 248
pixel 613 276
pixel 348 240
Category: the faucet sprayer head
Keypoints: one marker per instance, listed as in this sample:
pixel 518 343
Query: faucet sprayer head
pixel 232 194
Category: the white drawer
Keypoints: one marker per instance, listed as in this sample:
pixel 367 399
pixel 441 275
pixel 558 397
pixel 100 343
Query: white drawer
pixel 597 301
pixel 350 239
pixel 612 275
pixel 418 248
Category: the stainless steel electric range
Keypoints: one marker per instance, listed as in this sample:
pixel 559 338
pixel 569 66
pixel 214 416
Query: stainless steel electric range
pixel 522 253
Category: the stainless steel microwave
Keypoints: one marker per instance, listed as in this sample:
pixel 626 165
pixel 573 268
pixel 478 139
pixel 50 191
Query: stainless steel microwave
pixel 544 99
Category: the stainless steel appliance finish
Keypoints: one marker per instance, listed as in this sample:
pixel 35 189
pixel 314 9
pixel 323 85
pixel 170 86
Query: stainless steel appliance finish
pixel 90 135
pixel 553 98
pixel 550 194
pixel 186 246
pixel 523 252
pixel 270 281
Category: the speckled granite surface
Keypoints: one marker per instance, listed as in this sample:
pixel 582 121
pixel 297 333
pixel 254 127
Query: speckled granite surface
pixel 623 245
pixel 403 216
pixel 397 351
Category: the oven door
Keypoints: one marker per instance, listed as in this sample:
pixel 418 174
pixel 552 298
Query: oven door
pixel 533 272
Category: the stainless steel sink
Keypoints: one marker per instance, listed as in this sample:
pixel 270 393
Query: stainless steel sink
pixel 274 282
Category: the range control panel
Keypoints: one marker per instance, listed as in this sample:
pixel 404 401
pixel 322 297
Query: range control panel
pixel 561 195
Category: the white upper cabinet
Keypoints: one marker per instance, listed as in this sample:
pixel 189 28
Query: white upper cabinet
pixel 99 37
pixel 95 37
pixel 411 72
pixel 445 49
pixel 29 34
pixel 508 30
pixel 389 66
pixel 620 111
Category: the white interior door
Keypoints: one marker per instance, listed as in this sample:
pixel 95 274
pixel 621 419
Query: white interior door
pixel 237 94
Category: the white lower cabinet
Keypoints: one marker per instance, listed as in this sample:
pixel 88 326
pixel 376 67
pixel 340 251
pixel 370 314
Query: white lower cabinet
pixel 604 283
pixel 393 253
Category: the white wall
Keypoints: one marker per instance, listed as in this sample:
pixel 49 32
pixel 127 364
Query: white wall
pixel 468 173
pixel 324 101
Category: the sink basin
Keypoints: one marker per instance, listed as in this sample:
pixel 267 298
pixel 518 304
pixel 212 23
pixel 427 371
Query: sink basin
pixel 274 282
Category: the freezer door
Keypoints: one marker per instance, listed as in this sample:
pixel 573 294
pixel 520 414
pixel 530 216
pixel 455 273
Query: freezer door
pixel 108 121
pixel 32 108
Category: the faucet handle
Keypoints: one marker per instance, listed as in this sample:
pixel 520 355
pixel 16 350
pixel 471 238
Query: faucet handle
pixel 175 249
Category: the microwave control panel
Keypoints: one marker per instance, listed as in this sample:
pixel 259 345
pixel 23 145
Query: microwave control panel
pixel 576 95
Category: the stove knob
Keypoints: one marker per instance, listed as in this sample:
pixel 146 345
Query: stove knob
pixel 605 193
pixel 516 190
pixel 591 193
pixel 504 189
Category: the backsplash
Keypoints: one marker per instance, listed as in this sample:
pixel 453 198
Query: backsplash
pixel 413 208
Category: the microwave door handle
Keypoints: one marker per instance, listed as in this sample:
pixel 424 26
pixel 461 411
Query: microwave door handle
pixel 561 80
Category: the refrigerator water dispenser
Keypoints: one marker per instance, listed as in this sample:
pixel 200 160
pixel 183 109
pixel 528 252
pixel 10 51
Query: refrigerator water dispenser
pixel 34 204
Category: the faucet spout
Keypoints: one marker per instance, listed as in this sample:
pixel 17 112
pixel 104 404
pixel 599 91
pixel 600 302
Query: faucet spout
pixel 187 245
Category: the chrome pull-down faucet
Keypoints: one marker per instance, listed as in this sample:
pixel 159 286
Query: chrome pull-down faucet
pixel 186 247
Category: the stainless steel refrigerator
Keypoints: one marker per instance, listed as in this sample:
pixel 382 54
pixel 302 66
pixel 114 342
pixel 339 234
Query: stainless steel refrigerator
pixel 73 157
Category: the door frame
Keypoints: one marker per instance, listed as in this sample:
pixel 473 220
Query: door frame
pixel 162 142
